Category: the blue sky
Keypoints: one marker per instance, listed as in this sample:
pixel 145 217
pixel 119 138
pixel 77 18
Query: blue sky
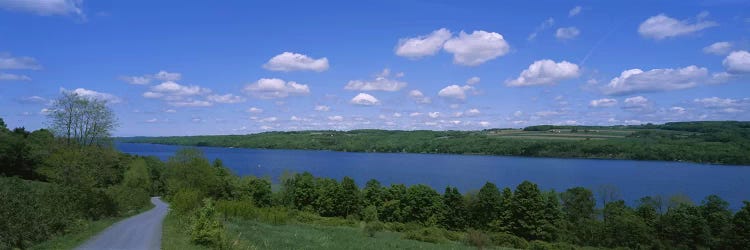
pixel 236 67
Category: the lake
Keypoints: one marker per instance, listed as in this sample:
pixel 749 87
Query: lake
pixel 633 179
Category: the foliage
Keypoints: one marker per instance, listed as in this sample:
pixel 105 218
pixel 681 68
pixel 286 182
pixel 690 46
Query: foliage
pixel 477 239
pixel 82 120
pixel 206 229
pixel 427 234
pixel 455 212
pixel 509 240
pixel 185 201
pixel 373 227
pixel 370 214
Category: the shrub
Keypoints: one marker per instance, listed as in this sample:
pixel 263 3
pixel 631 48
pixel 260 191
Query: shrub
pixel 370 213
pixel 127 200
pixel 373 227
pixel 477 238
pixel 453 235
pixel 427 234
pixel 541 245
pixel 186 201
pixel 206 229
pixel 509 240
pixel 273 215
pixel 243 209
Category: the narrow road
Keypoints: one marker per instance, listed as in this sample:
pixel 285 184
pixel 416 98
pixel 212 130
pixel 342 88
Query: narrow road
pixel 142 231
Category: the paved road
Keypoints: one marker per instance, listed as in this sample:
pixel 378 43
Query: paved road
pixel 142 231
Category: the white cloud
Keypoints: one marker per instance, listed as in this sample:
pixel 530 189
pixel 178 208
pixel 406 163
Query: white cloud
pixel 678 110
pixel 228 98
pixel 136 80
pixel 397 115
pixel 7 61
pixel 109 98
pixel 33 100
pixel 574 11
pixel 170 111
pixel 544 25
pixel 433 114
pixel 455 92
pixel 661 26
pixel 476 48
pixel 255 110
pixel 45 111
pixel 365 100
pixel 721 77
pixel 418 97
pixel 322 108
pixel 567 33
pixel 269 119
pixel 289 61
pixel 484 124
pixel 152 120
pixel 473 112
pixel 193 103
pixel 167 76
pixel 421 46
pixel 415 114
pixel 46 7
pixel 636 102
pixel 175 91
pixel 518 113
pixel 718 48
pixel 336 118
pixel 605 102
pixel 473 80
pixel 737 62
pixel 266 88
pixel 716 102
pixel 545 72
pixel 382 82
pixel 655 80
pixel 13 77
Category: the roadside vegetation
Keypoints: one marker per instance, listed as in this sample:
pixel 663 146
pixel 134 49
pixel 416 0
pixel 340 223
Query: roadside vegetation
pixel 61 185
pixel 720 142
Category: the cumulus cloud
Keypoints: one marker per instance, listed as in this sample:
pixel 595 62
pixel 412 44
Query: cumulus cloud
pixel 109 98
pixel 13 77
pixel 46 7
pixel 289 61
pixel 336 118
pixel 718 48
pixel 545 72
pixel 170 88
pixel 419 97
pixel 421 46
pixel 567 33
pixel 636 102
pixel 8 61
pixel 473 112
pixel 473 80
pixel 162 75
pixel 167 76
pixel 605 102
pixel 32 100
pixel 228 98
pixel 136 80
pixel 322 108
pixel 455 92
pixel 364 99
pixel 737 62
pixel 574 11
pixel 638 81
pixel 269 88
pixel 661 26
pixel 382 82
pixel 190 103
pixel 476 48
pixel 255 110
pixel 433 114
pixel 716 102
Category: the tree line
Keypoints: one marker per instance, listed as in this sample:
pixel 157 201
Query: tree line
pixel 703 142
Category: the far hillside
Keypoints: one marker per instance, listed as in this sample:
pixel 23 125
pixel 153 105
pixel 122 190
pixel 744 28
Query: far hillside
pixel 716 142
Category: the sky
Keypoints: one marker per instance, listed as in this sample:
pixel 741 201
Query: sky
pixel 239 67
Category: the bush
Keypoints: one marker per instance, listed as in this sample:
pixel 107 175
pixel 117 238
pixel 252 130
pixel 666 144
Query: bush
pixel 273 215
pixel 313 218
pixel 427 234
pixel 373 227
pixel 128 200
pixel 509 240
pixel 453 235
pixel 243 209
pixel 186 201
pixel 401 227
pixel 477 238
pixel 206 229
pixel 541 245
pixel 370 213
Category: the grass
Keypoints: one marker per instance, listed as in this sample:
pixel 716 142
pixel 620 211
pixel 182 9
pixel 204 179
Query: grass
pixel 306 236
pixel 86 231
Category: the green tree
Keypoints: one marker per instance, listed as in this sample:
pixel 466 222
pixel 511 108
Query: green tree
pixel 424 205
pixel 527 209
pixel 552 216
pixel 578 210
pixel 303 191
pixel 350 197
pixel 740 233
pixel 623 228
pixel 373 193
pixel 256 189
pixel 716 212
pixel 188 169
pixel 137 176
pixel 455 212
pixel 395 203
pixel 683 226
pixel 488 207
pixel 328 197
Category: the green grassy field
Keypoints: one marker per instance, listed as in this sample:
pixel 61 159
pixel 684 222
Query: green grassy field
pixel 305 236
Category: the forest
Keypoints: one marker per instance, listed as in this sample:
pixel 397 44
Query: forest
pixel 715 142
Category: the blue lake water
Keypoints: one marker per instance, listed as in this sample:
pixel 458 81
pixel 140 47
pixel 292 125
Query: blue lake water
pixel 633 179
